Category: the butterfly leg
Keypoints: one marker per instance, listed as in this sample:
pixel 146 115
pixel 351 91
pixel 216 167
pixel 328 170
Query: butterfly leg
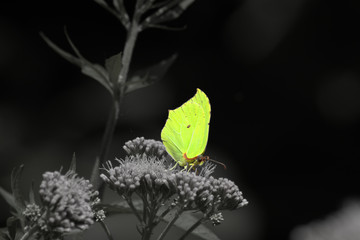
pixel 191 166
pixel 186 167
pixel 174 166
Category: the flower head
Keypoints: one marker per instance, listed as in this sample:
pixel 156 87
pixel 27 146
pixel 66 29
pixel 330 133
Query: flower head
pixel 208 193
pixel 138 173
pixel 67 203
pixel 216 218
pixel 140 146
pixel 32 212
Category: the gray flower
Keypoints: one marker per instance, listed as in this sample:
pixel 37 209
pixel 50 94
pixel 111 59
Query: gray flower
pixel 216 218
pixel 139 174
pixel 67 203
pixel 32 212
pixel 150 147
pixel 227 193
pixel 145 171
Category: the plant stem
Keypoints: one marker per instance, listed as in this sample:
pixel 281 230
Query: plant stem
pixel 119 93
pixel 146 233
pixel 107 139
pixel 109 131
pixel 127 54
pixel 131 205
pixel 168 226
pixel 150 221
pixel 107 231
pixel 195 225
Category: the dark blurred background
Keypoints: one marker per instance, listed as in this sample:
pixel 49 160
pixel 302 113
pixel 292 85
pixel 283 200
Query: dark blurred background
pixel 282 77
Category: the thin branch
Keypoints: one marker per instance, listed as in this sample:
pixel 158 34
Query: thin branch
pixel 192 228
pixel 107 231
pixel 107 139
pixel 127 54
pixel 169 225
pixel 131 205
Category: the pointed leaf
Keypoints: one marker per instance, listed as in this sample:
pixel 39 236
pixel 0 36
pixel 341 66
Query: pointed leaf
pixel 113 66
pixel 73 164
pixel 75 236
pixel 101 2
pixel 150 75
pixel 64 54
pixel 94 71
pixel 32 193
pixel 9 198
pixel 121 207
pixel 97 72
pixel 15 187
pixel 170 11
pixel 12 224
pixel 95 175
pixel 186 220
pixel 122 14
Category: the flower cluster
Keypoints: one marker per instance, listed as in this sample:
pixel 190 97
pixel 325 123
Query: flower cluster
pixel 140 174
pixel 149 175
pixel 140 146
pixel 208 194
pixel 67 205
pixel 32 212
pixel 216 218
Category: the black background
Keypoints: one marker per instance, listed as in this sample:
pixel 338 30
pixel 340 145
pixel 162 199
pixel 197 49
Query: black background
pixel 282 78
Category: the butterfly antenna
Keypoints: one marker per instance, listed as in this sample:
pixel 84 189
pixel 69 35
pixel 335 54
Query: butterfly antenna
pixel 222 164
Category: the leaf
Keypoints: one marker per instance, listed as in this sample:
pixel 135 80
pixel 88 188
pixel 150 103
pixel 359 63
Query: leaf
pixel 150 75
pixel 170 11
pixel 15 187
pixel 94 71
pixel 31 193
pixel 9 198
pixel 186 220
pixel 12 224
pixel 97 72
pixel 120 207
pixel 101 2
pixel 122 14
pixel 61 52
pixel 95 175
pixel 74 236
pixel 73 164
pixel 113 66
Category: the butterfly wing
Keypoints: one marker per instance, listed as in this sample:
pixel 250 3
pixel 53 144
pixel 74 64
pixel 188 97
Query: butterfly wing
pixel 186 129
pixel 171 137
pixel 192 129
pixel 201 99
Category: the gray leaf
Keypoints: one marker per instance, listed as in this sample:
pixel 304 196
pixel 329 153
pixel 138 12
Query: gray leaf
pixel 32 193
pixel 186 220
pixel 9 198
pixel 150 75
pixel 94 71
pixel 113 66
pixel 121 207
pixel 15 187
pixel 95 175
pixel 171 11
pixel 73 164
